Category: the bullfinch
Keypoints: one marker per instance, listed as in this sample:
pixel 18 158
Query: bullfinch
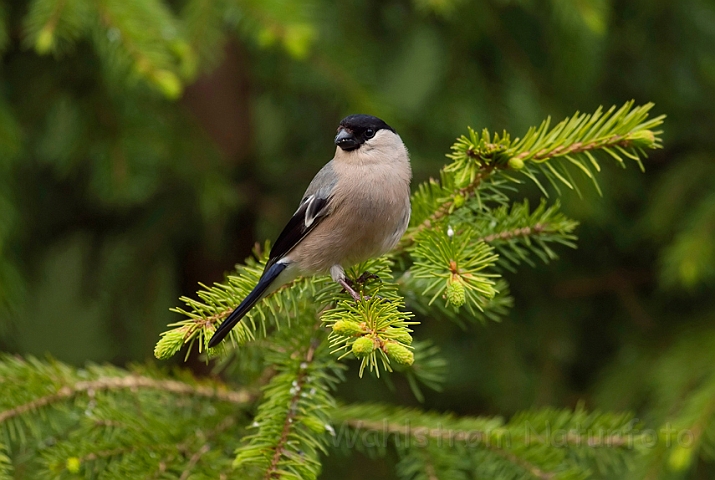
pixel 357 207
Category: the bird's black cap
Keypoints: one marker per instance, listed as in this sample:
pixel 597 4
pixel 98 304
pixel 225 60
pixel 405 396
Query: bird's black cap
pixel 354 130
pixel 362 122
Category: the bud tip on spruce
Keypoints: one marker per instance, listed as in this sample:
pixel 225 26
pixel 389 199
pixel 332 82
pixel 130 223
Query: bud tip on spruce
pixel 455 291
pixel 644 138
pixel 400 335
pixel 73 464
pixel 45 41
pixel 168 83
pixel 399 353
pixel 169 343
pixel 680 458
pixel 516 163
pixel 363 346
pixel 458 200
pixel 347 328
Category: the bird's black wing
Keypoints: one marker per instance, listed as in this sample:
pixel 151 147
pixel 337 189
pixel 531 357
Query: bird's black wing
pixel 312 210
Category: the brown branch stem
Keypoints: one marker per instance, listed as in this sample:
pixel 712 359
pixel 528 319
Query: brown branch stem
pixel 272 471
pixel 518 232
pixel 576 148
pixel 453 436
pixel 133 382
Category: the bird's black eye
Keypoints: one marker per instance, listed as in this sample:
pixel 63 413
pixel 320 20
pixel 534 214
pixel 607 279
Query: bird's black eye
pixel 369 133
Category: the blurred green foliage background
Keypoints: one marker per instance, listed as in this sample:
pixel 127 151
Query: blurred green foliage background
pixel 146 145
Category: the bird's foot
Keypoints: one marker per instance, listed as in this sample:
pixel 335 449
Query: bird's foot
pixel 362 279
pixel 347 286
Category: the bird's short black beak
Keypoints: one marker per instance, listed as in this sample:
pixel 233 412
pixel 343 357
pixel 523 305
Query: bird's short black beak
pixel 346 140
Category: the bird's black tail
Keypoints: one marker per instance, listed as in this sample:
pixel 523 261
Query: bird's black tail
pixel 256 294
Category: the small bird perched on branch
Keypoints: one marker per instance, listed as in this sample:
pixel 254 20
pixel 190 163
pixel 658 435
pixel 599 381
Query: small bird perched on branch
pixel 357 207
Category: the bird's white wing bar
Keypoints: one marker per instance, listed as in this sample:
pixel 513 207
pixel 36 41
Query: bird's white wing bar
pixel 314 208
pixel 311 211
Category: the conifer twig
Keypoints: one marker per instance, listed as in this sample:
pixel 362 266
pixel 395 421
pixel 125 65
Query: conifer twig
pixel 444 209
pixel 272 471
pixel 623 132
pixel 526 465
pixel 134 382
pixel 578 147
pixel 518 232
pixel 205 448
pixel 54 17
pixel 450 435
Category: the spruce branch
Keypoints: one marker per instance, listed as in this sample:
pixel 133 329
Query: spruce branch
pixel 280 449
pixel 588 440
pixel 218 301
pixel 442 199
pixel 180 457
pixel 441 431
pixel 685 406
pixel 477 158
pixel 371 329
pixel 140 38
pixel 431 464
pixel 373 278
pixel 452 439
pixel 505 225
pixel 376 328
pixel 140 439
pixel 696 418
pixel 6 470
pixel 529 467
pixel 292 421
pixel 53 26
pixel 203 22
pixel 104 419
pixel 517 232
pixel 133 383
pixel 494 310
pixel 452 266
pixel 273 23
